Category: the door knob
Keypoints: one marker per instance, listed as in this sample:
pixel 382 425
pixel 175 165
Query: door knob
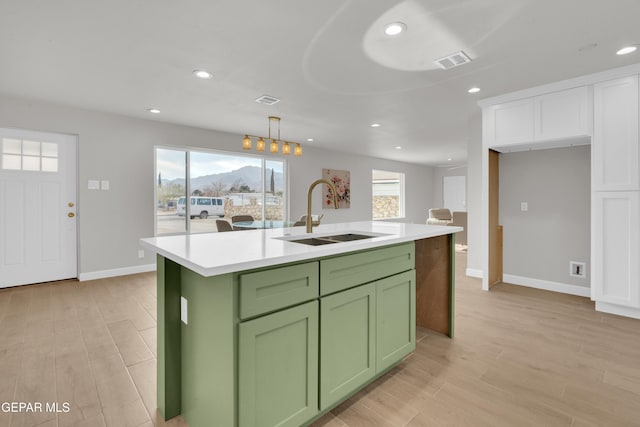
pixel 71 214
pixel 70 204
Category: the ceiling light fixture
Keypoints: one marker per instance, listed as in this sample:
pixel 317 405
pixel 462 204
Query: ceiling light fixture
pixel 474 90
pixel 398 147
pixel 394 28
pixel 153 110
pixel 274 146
pixel 202 74
pixel 375 125
pixel 627 50
pixel 309 139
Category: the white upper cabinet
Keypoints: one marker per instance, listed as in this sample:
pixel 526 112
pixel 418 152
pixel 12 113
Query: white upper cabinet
pixel 538 120
pixel 509 123
pixel 614 247
pixel 615 135
pixel 563 114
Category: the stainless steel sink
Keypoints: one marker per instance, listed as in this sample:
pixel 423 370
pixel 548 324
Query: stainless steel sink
pixel 326 240
pixel 313 241
pixel 348 237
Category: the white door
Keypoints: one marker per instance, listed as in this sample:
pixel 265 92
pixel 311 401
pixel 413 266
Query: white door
pixel 455 193
pixel 38 240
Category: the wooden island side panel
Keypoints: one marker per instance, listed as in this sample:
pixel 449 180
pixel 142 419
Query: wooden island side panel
pixel 434 283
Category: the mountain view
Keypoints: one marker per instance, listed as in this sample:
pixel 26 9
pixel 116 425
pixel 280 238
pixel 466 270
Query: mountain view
pixel 247 175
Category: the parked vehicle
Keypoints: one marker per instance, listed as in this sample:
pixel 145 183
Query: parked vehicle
pixel 202 207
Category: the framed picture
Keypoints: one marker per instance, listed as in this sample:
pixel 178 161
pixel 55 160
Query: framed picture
pixel 342 181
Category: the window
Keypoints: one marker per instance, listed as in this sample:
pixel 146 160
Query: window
pixel 25 155
pixel 218 185
pixel 387 194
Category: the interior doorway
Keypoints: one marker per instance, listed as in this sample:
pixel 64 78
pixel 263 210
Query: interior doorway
pixel 38 223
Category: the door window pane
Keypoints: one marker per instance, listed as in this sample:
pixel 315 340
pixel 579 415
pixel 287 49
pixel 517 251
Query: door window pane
pixel 11 146
pixel 49 164
pixel 30 148
pixel 49 149
pixel 11 162
pixel 30 163
pixel 171 169
pixel 387 194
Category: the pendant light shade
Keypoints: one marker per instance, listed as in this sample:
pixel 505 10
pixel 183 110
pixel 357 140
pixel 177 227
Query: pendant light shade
pixel 260 145
pixel 297 151
pixel 286 149
pixel 273 147
pixel 246 143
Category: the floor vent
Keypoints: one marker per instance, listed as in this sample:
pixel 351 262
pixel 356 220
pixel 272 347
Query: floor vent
pixel 267 100
pixel 453 60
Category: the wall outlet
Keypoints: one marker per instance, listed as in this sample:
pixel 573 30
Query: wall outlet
pixel 93 184
pixel 183 311
pixel 577 269
pixel 104 185
pixel 524 206
pixel 140 253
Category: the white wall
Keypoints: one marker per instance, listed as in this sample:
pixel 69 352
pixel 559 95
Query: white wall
pixel 120 149
pixel 540 243
pixel 438 181
pixel 475 248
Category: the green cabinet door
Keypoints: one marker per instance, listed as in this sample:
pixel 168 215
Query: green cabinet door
pixel 395 318
pixel 347 342
pixel 278 368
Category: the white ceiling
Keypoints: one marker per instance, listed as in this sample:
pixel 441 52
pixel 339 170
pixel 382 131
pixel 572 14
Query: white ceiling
pixel 329 62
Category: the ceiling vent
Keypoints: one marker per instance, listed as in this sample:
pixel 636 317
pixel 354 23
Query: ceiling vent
pixel 453 60
pixel 267 100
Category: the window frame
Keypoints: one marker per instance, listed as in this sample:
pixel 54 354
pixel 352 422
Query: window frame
pixel 401 195
pixel 188 150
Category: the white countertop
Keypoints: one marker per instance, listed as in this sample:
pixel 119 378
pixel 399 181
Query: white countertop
pixel 210 254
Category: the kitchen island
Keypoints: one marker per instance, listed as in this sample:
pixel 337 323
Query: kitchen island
pixel 256 329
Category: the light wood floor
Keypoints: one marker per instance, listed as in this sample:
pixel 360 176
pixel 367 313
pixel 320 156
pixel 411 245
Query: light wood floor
pixel 520 357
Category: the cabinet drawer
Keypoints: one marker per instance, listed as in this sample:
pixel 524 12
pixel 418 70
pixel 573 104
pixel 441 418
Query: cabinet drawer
pixel 346 271
pixel 273 289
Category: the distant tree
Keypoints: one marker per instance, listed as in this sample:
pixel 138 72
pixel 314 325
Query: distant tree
pixel 197 192
pixel 170 192
pixel 240 187
pixel 215 189
pixel 159 179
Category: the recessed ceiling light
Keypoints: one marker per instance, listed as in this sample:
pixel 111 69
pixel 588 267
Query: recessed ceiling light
pixel 449 159
pixel 474 90
pixel 626 50
pixel 394 28
pixel 309 139
pixel 153 110
pixel 375 125
pixel 202 74
pixel 398 147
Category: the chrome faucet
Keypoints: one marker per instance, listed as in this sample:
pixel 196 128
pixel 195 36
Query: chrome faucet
pixel 309 222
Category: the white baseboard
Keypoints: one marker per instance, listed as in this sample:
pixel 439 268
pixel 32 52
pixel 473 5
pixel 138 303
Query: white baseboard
pixel 474 272
pixel 103 274
pixel 547 285
pixel 618 309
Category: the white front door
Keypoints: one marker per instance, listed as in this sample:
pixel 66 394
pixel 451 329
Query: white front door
pixel 38 240
pixel 455 194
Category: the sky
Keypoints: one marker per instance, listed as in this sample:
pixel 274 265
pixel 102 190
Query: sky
pixel 171 163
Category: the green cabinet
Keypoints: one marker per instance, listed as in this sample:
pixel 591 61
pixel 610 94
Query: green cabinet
pixel 347 342
pixel 278 368
pixel 395 319
pixel 276 288
pixel 345 271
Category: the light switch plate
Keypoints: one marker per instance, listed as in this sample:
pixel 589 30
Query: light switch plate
pixel 104 184
pixel 93 184
pixel 183 311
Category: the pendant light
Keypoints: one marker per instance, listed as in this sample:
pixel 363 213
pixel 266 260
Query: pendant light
pixel 274 145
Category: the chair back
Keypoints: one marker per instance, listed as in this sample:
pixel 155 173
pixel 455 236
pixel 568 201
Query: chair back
pixel 223 225
pixel 241 218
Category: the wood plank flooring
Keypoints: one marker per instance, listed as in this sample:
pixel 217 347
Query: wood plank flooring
pixel 521 357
